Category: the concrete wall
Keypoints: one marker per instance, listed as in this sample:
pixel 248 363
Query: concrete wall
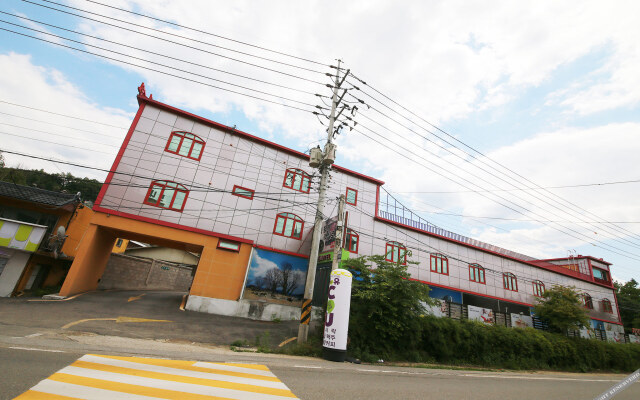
pixel 132 273
pixel 17 261
pixel 165 254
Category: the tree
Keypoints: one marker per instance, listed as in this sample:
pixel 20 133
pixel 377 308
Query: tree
pixel 1 160
pixel 628 295
pixel 288 278
pixel 56 182
pixel 272 279
pixel 561 308
pixel 386 306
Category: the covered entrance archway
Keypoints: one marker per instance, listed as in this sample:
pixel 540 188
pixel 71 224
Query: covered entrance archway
pixel 220 273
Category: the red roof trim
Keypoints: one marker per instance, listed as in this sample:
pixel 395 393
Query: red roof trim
pixel 576 258
pixel 144 100
pixel 606 320
pixel 171 225
pixel 291 253
pixel 470 292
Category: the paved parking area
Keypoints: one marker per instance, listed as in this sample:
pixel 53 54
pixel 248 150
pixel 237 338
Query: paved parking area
pixel 138 314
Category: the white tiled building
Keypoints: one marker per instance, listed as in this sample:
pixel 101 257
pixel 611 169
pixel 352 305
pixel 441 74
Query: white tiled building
pixel 179 170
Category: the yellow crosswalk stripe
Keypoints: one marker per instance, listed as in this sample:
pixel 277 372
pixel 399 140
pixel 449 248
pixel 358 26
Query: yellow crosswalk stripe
pixel 182 379
pixel 189 366
pixel 117 377
pixel 34 395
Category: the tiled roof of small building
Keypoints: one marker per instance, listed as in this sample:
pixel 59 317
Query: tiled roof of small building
pixel 35 195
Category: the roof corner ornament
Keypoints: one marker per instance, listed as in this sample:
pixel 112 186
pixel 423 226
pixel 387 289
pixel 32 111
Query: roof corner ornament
pixel 141 91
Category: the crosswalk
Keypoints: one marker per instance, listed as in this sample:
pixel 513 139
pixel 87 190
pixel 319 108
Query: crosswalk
pixel 135 378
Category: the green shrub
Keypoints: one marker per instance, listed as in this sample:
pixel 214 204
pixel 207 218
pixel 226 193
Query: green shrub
pixel 473 343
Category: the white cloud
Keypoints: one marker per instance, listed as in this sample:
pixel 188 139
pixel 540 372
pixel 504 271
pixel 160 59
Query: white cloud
pixel 24 83
pixel 260 265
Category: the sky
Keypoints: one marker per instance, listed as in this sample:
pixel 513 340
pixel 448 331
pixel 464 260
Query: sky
pixel 470 105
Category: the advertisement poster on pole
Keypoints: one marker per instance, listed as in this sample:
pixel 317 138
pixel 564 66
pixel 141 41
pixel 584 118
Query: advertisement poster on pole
pixel 328 241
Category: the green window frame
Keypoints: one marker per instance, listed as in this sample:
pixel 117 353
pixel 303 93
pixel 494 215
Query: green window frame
pixel 477 274
pixel 289 225
pixel 185 144
pixel 439 264
pixel 167 194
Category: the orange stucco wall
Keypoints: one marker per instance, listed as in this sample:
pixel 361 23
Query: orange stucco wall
pixel 77 228
pixel 90 261
pixel 220 273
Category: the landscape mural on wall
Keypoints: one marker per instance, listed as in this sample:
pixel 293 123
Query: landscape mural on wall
pixel 276 277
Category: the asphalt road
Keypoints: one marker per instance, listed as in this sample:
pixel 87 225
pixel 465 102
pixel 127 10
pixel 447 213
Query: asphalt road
pixel 21 369
pixel 33 346
pixel 312 379
pixel 91 312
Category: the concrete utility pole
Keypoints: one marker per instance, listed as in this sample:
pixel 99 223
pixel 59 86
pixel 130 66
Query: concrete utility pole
pixel 337 249
pixel 329 149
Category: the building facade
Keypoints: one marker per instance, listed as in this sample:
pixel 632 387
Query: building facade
pixel 245 204
pixel 32 254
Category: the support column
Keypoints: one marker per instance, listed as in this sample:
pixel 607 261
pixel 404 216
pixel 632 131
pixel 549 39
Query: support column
pixel 90 261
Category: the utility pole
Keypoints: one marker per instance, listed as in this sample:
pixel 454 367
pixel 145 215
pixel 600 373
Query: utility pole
pixel 328 156
pixel 337 248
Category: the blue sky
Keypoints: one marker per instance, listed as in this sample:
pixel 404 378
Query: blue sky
pixel 529 84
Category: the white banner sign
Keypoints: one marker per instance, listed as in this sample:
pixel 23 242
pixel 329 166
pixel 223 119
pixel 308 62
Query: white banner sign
pixel 438 310
pixel 587 333
pixel 634 339
pixel 484 315
pixel 521 321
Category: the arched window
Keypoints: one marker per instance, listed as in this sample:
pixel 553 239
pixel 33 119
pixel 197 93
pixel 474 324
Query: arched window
pixel 476 273
pixel 538 288
pixel 587 301
pixel 396 252
pixel 510 281
pixel 351 241
pixel 288 225
pixel 298 180
pixel 439 264
pixel 606 306
pixel 167 194
pixel 185 144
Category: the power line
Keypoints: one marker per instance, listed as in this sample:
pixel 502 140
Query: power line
pixel 158 71
pixel 62 115
pixel 393 148
pixel 207 33
pixel 61 126
pixel 525 189
pixel 524 278
pixel 162 65
pixel 193 188
pixel 152 52
pixel 571 204
pixel 439 251
pixel 55 134
pixel 171 41
pixel 603 228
